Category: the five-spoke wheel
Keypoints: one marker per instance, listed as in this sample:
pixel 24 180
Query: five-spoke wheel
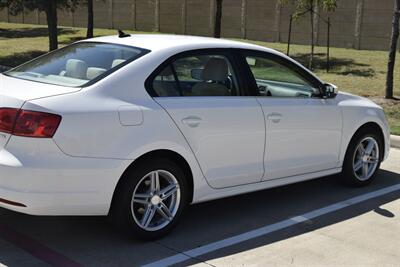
pixel 363 157
pixel 366 158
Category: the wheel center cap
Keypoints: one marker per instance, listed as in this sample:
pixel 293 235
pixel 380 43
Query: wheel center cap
pixel 155 200
pixel 365 158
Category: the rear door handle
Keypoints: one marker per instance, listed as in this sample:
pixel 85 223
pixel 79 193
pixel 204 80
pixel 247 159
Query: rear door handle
pixel 274 117
pixel 192 121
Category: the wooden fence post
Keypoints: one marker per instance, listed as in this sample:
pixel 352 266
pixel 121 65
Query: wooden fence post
pixel 111 14
pixel 72 15
pixel 212 17
pixel 133 15
pixel 359 18
pixel 277 22
pixel 157 16
pixel 243 19
pixel 183 16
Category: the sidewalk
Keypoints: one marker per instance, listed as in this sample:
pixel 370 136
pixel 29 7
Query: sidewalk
pixel 395 141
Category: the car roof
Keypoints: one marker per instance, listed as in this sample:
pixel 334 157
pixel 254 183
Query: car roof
pixel 173 43
pixel 156 42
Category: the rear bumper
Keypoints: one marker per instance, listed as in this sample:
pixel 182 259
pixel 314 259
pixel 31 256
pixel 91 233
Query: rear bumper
pixel 49 203
pixel 37 178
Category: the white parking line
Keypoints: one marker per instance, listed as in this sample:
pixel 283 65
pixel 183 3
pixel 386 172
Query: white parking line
pixel 193 253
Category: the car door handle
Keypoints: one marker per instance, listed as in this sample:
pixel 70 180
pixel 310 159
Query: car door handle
pixel 192 121
pixel 274 117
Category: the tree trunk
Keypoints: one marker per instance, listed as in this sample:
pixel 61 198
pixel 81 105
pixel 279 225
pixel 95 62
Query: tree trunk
pixel 51 15
pixel 392 53
pixel 310 64
pixel 89 33
pixel 218 18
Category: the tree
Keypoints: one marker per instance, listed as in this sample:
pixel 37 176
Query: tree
pixel 218 19
pixel 303 7
pixel 392 52
pixel 50 7
pixel 90 24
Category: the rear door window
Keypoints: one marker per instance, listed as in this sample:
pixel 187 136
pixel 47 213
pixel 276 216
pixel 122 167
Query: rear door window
pixel 197 75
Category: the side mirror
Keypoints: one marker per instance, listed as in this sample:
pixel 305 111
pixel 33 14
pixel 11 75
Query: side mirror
pixel 329 90
pixel 197 74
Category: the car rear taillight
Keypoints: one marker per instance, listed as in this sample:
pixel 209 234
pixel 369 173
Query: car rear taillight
pixel 28 123
pixel 7 119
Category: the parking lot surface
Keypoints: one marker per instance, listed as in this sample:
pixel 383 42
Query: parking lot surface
pixel 319 223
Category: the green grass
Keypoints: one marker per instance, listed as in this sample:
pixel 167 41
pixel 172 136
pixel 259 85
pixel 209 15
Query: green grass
pixel 22 42
pixel 360 72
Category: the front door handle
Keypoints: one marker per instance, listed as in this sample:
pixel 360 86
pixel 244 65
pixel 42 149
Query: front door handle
pixel 192 121
pixel 274 117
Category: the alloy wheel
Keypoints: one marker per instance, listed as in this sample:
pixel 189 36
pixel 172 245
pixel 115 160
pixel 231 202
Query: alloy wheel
pixel 366 158
pixel 155 200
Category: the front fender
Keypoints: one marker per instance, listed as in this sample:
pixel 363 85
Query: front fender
pixel 354 118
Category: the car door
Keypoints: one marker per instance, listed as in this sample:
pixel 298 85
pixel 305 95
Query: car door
pixel 203 94
pixel 303 130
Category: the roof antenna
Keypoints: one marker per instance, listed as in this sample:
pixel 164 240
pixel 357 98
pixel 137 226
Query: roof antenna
pixel 121 34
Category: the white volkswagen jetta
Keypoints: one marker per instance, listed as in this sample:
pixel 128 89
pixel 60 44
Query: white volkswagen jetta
pixel 138 127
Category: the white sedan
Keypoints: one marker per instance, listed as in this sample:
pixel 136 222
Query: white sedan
pixel 138 127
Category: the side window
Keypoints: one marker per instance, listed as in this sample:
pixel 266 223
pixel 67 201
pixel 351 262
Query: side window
pixel 197 75
pixel 274 79
pixel 164 83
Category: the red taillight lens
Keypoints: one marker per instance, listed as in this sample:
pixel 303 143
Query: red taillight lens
pixel 36 124
pixel 7 119
pixel 28 123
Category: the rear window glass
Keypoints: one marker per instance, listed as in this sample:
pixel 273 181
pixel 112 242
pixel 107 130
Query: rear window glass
pixel 77 64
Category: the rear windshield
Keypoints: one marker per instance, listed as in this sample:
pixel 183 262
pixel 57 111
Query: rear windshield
pixel 78 64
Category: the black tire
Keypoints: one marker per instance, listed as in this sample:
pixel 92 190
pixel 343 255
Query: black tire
pixel 121 214
pixel 348 174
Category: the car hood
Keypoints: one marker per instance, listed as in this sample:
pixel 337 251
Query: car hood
pixel 347 99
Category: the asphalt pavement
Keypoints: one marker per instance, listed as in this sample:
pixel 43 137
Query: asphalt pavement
pixel 315 223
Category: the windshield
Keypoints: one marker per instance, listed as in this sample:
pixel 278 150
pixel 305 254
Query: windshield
pixel 77 64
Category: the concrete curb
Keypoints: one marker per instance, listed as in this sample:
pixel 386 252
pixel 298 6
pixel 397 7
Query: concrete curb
pixel 395 141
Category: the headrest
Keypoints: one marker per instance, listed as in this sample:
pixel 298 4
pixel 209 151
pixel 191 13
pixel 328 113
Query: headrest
pixel 94 72
pixel 166 71
pixel 116 62
pixel 76 68
pixel 216 69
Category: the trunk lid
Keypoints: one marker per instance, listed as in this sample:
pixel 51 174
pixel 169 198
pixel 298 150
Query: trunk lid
pixel 24 90
pixel 15 92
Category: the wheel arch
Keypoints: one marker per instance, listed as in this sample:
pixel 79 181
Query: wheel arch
pixel 371 126
pixel 160 153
